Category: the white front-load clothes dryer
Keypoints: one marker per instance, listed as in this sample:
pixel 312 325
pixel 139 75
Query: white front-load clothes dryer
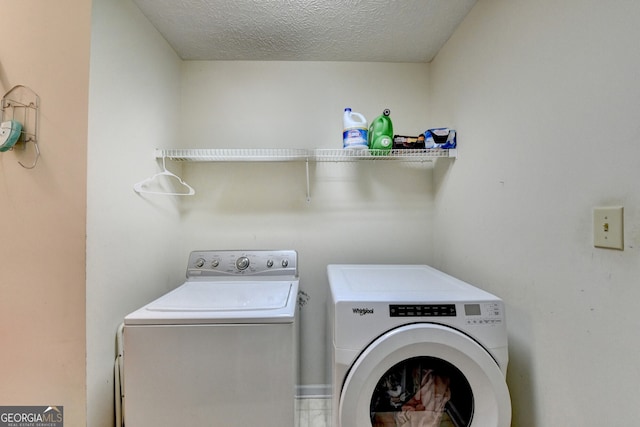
pixel 413 346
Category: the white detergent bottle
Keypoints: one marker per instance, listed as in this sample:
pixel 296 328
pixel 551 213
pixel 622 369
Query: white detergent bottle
pixel 355 130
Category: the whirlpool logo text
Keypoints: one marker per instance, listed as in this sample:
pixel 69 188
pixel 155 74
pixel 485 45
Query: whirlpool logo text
pixel 362 311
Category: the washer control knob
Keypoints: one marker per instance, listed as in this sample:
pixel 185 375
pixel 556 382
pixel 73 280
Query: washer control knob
pixel 270 263
pixel 242 263
pixel 285 263
pixel 199 263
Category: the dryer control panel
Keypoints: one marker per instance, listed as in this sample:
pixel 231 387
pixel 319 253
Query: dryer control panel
pixel 422 310
pixel 482 313
pixel 243 263
pixel 486 313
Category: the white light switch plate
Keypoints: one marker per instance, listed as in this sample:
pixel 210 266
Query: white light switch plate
pixel 608 227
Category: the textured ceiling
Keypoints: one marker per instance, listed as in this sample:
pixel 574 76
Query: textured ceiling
pixel 306 30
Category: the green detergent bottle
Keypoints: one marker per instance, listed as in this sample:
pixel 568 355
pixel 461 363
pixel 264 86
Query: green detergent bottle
pixel 381 134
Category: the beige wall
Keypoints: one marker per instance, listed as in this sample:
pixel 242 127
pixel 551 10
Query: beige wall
pixel 254 205
pixel 372 212
pixel 133 250
pixel 545 97
pixel 42 224
pixel 513 213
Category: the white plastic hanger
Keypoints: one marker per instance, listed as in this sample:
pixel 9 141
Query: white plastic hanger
pixel 141 187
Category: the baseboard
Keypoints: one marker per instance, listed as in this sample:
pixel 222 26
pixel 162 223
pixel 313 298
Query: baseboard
pixel 313 391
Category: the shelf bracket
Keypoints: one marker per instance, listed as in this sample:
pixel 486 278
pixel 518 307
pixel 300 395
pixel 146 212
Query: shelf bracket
pixel 307 170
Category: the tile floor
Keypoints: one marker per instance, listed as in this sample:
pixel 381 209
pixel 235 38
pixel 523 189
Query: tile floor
pixel 313 412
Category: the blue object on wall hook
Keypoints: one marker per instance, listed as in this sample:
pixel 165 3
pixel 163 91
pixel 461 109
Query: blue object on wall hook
pixel 9 134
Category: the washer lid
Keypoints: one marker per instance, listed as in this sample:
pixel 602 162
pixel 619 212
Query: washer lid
pixel 221 302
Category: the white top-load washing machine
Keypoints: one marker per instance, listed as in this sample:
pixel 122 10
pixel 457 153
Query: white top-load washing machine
pixel 219 350
pixel 413 346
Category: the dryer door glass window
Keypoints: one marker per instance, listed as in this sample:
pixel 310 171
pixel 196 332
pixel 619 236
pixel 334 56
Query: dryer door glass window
pixel 425 391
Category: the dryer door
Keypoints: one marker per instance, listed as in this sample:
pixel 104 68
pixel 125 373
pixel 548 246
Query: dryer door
pixel 428 375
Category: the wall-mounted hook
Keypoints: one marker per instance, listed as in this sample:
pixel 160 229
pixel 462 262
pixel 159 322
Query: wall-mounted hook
pixel 21 107
pixel 35 161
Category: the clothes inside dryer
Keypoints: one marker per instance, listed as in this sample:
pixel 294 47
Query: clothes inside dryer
pixel 422 391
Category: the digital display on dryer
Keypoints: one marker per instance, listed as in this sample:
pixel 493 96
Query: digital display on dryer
pixel 422 310
pixel 472 309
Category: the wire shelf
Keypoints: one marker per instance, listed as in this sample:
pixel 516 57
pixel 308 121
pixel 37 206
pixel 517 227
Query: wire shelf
pixel 295 155
pixel 290 155
pixel 233 155
pixel 402 155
